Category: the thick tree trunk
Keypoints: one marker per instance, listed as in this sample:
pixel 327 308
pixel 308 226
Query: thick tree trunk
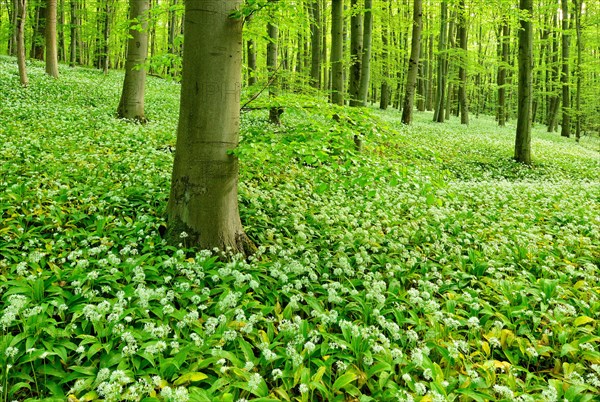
pixel 442 65
pixel 21 12
pixel 51 45
pixel 365 73
pixel 523 137
pixel 203 204
pixel 131 105
pixel 463 67
pixel 272 66
pixel 565 78
pixel 315 44
pixel 356 50
pixel 413 63
pixel 337 52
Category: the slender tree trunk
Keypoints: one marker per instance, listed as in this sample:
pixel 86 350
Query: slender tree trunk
pixel 38 40
pixel 74 34
pixel 504 57
pixel 21 12
pixel 203 204
pixel 578 10
pixel 464 60
pixel 429 86
pixel 385 93
pixel 365 73
pixel 272 66
pixel 252 66
pixel 13 16
pixel 442 65
pixel 449 68
pixel 315 44
pixel 337 52
pixel 554 101
pixel 62 48
pixel 51 45
pixel 356 50
pixel 326 72
pixel 413 63
pixel 566 95
pixel 131 105
pixel 172 22
pixel 523 137
pixel 106 36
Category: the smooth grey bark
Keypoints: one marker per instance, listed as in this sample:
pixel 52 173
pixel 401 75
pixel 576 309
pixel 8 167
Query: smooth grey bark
pixel 385 92
pixel 442 66
pixel 203 203
pixel 356 50
pixel 315 44
pixel 21 12
pixel 365 73
pixel 523 137
pixel 565 130
pixel 413 63
pixel 464 60
pixel 131 105
pixel 337 52
pixel 51 43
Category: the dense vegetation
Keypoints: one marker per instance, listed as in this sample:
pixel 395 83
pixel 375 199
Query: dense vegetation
pixel 427 267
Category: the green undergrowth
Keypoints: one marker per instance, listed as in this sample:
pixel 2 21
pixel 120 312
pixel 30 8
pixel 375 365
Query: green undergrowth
pixel 427 267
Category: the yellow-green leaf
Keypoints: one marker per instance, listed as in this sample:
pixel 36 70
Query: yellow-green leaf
pixel 190 377
pixel 584 319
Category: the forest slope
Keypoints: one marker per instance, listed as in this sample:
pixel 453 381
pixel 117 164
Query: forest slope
pixel 429 266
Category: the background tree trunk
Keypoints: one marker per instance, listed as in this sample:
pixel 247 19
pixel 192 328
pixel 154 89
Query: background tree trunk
pixel 442 65
pixel 73 56
pixel 503 38
pixel 365 73
pixel 21 12
pixel 554 101
pixel 272 66
pixel 39 32
pixel 337 52
pixel 356 50
pixel 203 203
pixel 463 66
pixel 252 67
pixel 131 105
pixel 315 44
pixel 385 92
pixel 565 130
pixel 578 10
pixel 51 44
pixel 523 137
pixel 413 63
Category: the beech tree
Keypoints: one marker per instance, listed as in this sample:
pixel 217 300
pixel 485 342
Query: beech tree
pixel 337 52
pixel 51 43
pixel 523 137
pixel 413 64
pixel 131 105
pixel 203 203
pixel 21 12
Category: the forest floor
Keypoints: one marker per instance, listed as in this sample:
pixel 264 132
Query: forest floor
pixel 427 267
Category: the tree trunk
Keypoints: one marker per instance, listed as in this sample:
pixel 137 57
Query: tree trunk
pixel 385 93
pixel 73 59
pixel 13 17
pixel 172 22
pixel 272 57
pixel 464 60
pixel 39 32
pixel 203 203
pixel 51 45
pixel 337 52
pixel 564 78
pixel 365 73
pixel 413 63
pixel 523 137
pixel 554 101
pixel 21 12
pixel 442 65
pixel 315 43
pixel 578 10
pixel 131 105
pixel 62 48
pixel 356 50
pixel 504 59
pixel 251 49
pixel 106 36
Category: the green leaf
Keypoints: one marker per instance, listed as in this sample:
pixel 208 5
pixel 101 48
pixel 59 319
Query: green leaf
pixel 344 380
pixel 579 321
pixel 189 378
